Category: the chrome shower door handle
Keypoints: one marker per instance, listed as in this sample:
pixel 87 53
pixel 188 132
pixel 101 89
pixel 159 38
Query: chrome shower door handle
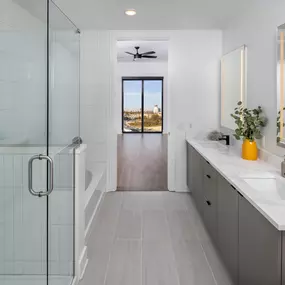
pixel 30 174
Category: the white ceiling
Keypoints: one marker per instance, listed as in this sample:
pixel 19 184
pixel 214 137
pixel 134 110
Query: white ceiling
pixel 154 14
pixel 160 47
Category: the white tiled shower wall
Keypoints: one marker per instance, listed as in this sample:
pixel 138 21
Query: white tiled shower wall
pixel 22 74
pixel 23 217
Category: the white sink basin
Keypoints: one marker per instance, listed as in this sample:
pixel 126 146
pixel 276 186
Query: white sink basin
pixel 213 145
pixel 273 188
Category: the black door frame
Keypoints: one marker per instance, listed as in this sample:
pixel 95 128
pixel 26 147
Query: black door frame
pixel 142 79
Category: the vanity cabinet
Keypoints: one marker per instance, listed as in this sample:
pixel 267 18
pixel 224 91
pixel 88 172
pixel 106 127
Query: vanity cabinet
pixel 210 199
pixel 259 248
pixel 249 245
pixel 227 227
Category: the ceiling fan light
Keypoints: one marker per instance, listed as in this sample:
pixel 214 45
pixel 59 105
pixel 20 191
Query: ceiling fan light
pixel 130 12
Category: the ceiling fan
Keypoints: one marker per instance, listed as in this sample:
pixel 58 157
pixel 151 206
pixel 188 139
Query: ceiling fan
pixel 138 55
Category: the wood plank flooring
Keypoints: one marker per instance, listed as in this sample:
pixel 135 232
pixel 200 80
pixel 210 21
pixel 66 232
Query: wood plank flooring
pixel 151 238
pixel 142 162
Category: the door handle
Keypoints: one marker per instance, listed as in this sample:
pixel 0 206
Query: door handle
pixel 30 174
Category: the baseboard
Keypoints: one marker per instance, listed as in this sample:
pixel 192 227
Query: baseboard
pixel 83 261
pixel 182 191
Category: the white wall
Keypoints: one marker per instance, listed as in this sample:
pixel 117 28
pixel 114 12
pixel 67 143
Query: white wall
pixel 147 69
pixel 256 28
pixel 95 85
pixel 194 91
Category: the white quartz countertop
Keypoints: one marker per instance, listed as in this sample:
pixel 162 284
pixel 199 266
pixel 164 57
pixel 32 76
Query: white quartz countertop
pixel 228 162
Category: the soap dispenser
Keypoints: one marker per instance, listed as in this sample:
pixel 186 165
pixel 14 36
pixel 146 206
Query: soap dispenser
pixel 283 168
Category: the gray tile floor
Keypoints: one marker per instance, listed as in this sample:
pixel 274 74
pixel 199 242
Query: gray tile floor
pixel 151 238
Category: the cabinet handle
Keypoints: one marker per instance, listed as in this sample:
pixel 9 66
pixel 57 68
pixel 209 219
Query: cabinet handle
pixel 209 203
pixel 208 176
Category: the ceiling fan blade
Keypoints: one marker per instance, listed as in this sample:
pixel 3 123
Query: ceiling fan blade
pixel 149 56
pixel 149 52
pixel 129 53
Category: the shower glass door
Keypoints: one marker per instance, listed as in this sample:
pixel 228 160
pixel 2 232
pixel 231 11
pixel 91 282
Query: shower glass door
pixel 64 40
pixel 23 134
pixel 39 119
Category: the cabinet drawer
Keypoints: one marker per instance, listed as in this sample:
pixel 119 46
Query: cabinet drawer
pixel 210 199
pixel 209 171
pixel 210 189
pixel 210 182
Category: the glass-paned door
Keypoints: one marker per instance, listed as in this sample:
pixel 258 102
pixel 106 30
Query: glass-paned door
pixel 64 48
pixel 153 116
pixel 132 106
pixel 142 108
pixel 23 135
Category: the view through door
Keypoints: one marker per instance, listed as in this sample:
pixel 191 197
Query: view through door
pixel 142 108
pixel 142 149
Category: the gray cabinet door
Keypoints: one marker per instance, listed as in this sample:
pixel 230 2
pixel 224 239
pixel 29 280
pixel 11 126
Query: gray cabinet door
pixel 227 215
pixel 210 199
pixel 189 167
pixel 259 248
pixel 283 258
pixel 197 179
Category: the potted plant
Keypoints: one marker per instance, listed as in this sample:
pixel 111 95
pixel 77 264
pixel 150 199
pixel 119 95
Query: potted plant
pixel 249 124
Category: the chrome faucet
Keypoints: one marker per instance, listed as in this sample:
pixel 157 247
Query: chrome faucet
pixel 283 168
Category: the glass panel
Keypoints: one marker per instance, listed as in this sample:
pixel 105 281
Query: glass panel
pixel 63 128
pixel 23 133
pixel 132 106
pixel 153 105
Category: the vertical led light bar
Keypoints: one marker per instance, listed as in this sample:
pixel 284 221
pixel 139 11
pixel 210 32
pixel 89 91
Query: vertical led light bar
pixel 222 88
pixel 281 84
pixel 242 75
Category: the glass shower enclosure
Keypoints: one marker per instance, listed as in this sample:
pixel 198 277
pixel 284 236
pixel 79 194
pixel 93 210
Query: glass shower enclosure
pixel 39 119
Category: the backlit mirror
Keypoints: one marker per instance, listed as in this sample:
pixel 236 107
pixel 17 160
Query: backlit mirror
pixel 233 84
pixel 280 85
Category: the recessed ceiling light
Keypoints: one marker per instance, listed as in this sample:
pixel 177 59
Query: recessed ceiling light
pixel 130 12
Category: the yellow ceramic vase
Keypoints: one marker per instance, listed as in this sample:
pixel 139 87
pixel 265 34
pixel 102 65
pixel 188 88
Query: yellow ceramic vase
pixel 249 150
